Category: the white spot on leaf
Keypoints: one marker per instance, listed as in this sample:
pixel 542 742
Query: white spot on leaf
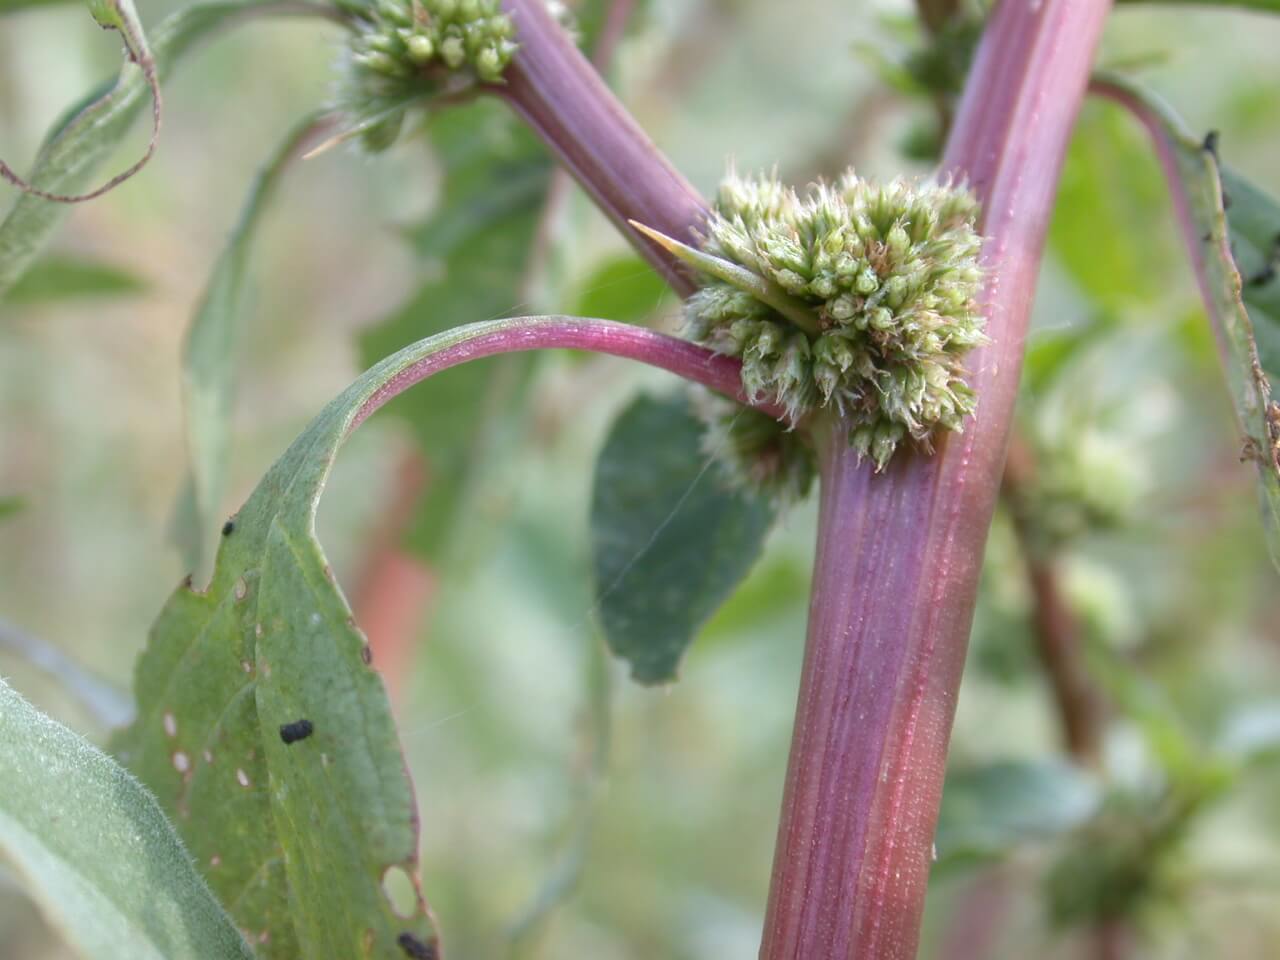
pixel 242 778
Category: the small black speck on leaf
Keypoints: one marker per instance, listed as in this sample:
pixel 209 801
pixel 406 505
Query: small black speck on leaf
pixel 1210 143
pixel 298 730
pixel 366 654
pixel 1208 235
pixel 415 948
pixel 228 527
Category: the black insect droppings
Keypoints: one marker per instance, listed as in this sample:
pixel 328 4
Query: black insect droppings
pixel 1210 143
pixel 298 730
pixel 366 654
pixel 415 948
pixel 228 527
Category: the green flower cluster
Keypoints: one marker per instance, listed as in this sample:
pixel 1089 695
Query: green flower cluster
pixel 858 297
pixel 761 454
pixel 405 49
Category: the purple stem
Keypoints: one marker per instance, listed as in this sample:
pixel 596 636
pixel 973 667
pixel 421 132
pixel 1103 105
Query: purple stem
pixel 899 554
pixel 475 341
pixel 562 97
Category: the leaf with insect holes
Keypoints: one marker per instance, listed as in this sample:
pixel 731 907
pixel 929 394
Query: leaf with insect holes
pixel 670 536
pixel 210 361
pixel 262 727
pixel 1195 180
pixel 96 851
pixel 295 837
pixel 87 133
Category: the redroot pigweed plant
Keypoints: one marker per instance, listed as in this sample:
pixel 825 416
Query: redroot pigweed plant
pixel 864 336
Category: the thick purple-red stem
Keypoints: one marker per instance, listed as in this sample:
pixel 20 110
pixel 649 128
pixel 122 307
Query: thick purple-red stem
pixel 899 553
pixel 562 97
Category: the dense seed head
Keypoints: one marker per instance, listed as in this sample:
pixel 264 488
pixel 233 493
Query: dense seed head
pixel 890 275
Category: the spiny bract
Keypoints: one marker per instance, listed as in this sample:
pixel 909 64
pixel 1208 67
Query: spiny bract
pixel 403 49
pixel 888 277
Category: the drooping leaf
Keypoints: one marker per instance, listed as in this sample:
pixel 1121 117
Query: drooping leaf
pixel 1192 168
pixel 295 838
pixel 88 134
pixel 58 277
pixel 97 852
pixel 209 363
pixel 481 235
pixel 670 537
pixel 262 727
pixel 989 810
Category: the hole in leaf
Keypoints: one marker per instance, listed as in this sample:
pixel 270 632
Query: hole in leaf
pixel 400 891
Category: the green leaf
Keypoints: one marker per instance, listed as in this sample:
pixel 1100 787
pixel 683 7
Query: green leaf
pixel 60 277
pixel 209 363
pixel 295 838
pixel 481 234
pixel 100 857
pixel 670 537
pixel 1195 181
pixel 989 810
pixel 91 131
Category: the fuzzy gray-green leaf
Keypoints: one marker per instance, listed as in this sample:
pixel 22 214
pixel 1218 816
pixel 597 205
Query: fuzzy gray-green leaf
pixel 670 537
pixel 97 852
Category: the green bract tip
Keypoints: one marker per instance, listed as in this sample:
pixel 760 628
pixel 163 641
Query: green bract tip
pixel 885 278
